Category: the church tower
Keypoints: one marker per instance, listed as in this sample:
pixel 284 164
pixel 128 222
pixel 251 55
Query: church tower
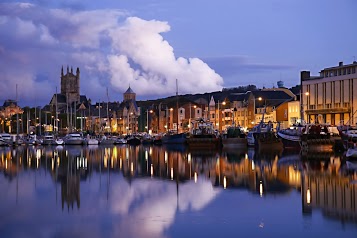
pixel 70 85
pixel 129 95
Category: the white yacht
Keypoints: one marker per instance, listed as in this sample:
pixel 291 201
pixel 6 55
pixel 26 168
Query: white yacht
pixel 73 139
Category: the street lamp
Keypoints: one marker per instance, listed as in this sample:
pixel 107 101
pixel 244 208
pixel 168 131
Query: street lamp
pixel 303 110
pixel 147 119
pixel 189 119
pixel 53 127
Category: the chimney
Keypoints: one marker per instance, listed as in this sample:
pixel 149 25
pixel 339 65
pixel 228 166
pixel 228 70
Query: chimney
pixel 304 75
pixel 340 63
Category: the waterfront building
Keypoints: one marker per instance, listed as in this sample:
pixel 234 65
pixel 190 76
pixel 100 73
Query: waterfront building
pixel 7 110
pixel 128 113
pixel 68 102
pixel 330 97
pixel 270 103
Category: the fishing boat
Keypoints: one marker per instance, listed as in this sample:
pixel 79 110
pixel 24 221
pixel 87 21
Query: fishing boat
pixel 291 137
pixel 235 137
pixel 348 135
pixel 263 137
pixel 317 138
pixel 202 135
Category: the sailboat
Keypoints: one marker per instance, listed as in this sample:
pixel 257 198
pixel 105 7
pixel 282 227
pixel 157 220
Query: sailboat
pixel 175 137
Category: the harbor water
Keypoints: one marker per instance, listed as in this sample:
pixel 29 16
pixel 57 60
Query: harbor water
pixel 174 191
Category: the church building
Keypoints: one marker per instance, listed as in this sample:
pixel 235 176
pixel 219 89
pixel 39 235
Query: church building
pixel 70 92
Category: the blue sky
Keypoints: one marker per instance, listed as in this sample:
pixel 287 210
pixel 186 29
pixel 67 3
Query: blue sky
pixel 148 44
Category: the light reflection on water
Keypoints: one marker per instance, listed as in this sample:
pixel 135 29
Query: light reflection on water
pixel 160 191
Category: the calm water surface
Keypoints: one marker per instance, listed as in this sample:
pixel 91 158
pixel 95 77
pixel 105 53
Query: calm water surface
pixel 125 191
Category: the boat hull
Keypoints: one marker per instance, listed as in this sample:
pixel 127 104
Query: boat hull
pixel 133 141
pixel 234 142
pixel 290 141
pixel 203 142
pixel 174 139
pixel 351 153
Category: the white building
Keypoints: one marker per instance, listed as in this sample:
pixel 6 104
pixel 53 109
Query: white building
pixel 332 96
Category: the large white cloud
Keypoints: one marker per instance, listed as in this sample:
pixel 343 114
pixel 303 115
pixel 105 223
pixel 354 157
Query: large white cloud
pixel 111 49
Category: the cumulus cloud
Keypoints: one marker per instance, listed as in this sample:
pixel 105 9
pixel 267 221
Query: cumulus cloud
pixel 111 48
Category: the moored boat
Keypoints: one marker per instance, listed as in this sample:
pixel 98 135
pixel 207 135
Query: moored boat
pixel 3 143
pixel 263 137
pixel 73 139
pixel 106 140
pixel 202 135
pixel 48 139
pixel 291 137
pixel 317 138
pixel 351 153
pixel 348 136
pixel 133 140
pixel 59 141
pixel 174 138
pixel 234 138
pixel 120 141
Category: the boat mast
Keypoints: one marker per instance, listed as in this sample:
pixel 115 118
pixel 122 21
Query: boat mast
pixel 110 125
pixel 56 112
pixel 68 126
pixel 177 108
pixel 100 124
pixel 17 116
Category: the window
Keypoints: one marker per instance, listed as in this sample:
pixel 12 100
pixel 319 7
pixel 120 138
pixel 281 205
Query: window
pixel 354 70
pixel 348 70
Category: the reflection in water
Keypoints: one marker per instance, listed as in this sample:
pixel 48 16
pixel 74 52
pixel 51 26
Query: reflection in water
pixel 150 183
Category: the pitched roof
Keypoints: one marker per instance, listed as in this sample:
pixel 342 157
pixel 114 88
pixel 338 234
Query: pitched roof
pixel 129 90
pixel 9 102
pixel 270 98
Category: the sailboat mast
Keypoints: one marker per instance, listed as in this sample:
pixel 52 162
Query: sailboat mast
pixel 100 124
pixel 17 117
pixel 68 126
pixel 110 125
pixel 56 121
pixel 177 108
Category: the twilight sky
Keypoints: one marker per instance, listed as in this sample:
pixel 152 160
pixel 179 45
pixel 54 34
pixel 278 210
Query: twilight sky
pixel 148 44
